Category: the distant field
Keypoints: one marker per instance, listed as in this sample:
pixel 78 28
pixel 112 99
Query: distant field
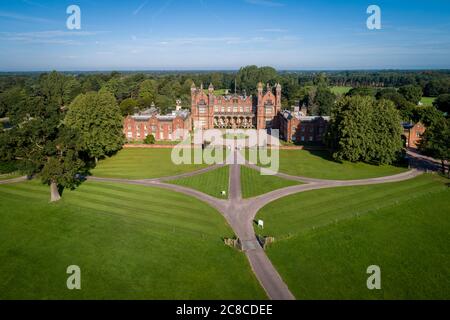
pixel 328 238
pixel 131 242
pixel 212 182
pixel 135 163
pixel 340 90
pixel 254 184
pixel 319 164
pixel 427 101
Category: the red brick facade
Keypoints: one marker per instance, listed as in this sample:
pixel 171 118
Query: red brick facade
pixel 235 111
pixel 297 127
pixel 162 127
pixel 412 134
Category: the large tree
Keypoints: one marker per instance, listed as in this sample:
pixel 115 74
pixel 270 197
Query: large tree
pixel 98 119
pixel 363 129
pixel 411 93
pixel 248 77
pixel 442 103
pixel 436 142
pixel 39 142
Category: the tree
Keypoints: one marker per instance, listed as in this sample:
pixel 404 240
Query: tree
pixel 442 103
pixel 405 107
pixel 325 100
pixel 39 142
pixel 436 87
pixel 150 139
pixel 436 142
pixel 363 129
pixel 98 119
pixel 128 106
pixel 411 93
pixel 248 77
pixel 361 91
pixel 428 115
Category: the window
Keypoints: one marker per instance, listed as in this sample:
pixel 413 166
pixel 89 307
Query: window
pixel 311 138
pixel 303 138
pixel 202 110
pixel 216 109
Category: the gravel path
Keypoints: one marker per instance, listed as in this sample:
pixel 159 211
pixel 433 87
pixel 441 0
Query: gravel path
pixel 240 213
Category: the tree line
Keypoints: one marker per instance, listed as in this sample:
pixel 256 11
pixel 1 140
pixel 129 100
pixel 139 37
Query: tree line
pixel 61 124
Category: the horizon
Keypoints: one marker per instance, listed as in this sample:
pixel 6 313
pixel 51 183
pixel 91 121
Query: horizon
pixel 162 35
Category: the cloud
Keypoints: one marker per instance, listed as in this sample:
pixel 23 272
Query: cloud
pixel 48 37
pixel 15 16
pixel 265 3
pixel 142 6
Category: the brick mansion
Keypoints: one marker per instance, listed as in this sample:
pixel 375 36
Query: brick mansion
pixel 228 111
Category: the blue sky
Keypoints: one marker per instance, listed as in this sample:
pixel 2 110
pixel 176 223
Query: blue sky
pixel 223 34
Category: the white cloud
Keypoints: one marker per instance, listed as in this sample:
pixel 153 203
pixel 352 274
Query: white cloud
pixel 138 9
pixel 20 17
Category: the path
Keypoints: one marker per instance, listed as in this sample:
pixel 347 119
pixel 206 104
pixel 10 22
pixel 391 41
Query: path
pixel 240 213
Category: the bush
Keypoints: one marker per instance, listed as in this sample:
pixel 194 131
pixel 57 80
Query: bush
pixel 7 167
pixel 150 139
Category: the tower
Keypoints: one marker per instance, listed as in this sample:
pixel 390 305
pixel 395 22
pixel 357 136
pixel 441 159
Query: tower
pixel 278 98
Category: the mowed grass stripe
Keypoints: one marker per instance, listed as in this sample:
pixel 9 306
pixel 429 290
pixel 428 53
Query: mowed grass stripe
pixel 363 198
pixel 211 183
pixel 122 256
pixel 302 212
pixel 146 199
pixel 408 240
pixel 254 184
pixel 163 215
pixel 142 163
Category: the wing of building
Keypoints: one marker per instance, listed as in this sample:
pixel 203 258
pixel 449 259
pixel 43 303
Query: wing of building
pixel 229 111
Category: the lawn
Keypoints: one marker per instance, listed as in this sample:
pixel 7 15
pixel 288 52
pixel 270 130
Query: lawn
pixel 427 101
pixel 340 90
pixel 328 238
pixel 11 175
pixel 131 242
pixel 212 182
pixel 320 165
pixel 254 184
pixel 141 163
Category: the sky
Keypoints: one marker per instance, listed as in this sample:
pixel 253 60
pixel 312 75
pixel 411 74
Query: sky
pixel 223 34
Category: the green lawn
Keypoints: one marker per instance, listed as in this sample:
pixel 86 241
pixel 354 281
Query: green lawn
pixel 212 182
pixel 131 242
pixel 328 238
pixel 340 90
pixel 427 101
pixel 141 163
pixel 254 184
pixel 12 175
pixel 320 165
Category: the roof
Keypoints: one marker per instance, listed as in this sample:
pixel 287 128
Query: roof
pixel 288 115
pixel 153 112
